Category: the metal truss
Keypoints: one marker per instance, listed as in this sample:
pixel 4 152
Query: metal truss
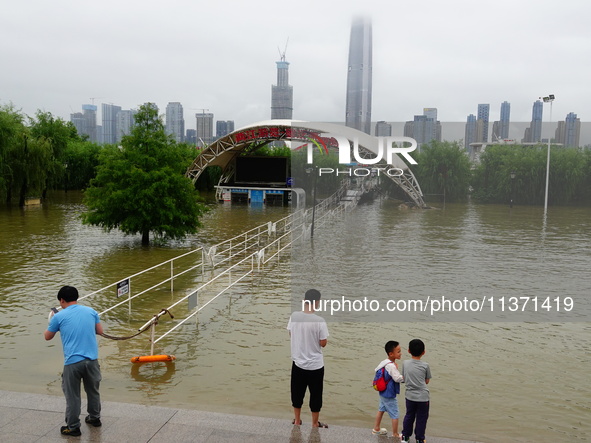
pixel 222 152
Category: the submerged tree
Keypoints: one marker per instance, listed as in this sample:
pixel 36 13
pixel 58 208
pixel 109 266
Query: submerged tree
pixel 24 158
pixel 569 171
pixel 443 169
pixel 140 187
pixel 56 134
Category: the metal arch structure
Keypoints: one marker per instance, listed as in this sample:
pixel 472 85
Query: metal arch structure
pixel 224 150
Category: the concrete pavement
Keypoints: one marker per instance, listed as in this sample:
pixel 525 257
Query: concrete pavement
pixel 26 418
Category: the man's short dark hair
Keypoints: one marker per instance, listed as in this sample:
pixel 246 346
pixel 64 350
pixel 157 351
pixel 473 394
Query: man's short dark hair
pixel 312 295
pixel 416 347
pixel 390 346
pixel 68 294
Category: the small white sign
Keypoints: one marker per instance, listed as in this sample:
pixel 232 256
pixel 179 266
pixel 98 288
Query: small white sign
pixel 123 287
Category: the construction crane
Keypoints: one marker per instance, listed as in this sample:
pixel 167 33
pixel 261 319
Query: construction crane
pixel 282 54
pixel 92 99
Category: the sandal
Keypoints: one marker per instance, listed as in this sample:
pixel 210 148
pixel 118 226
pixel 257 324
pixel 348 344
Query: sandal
pixel 293 422
pixel 382 431
pixel 322 425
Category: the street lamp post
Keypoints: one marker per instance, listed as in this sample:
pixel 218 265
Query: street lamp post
pixel 512 188
pixel 548 99
pixel 314 171
pixel 66 177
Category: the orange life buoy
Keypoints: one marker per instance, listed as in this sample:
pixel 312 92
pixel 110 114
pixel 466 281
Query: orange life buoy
pixel 148 358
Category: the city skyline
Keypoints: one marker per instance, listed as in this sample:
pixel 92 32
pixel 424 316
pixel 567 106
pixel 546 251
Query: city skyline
pixel 57 65
pixel 569 131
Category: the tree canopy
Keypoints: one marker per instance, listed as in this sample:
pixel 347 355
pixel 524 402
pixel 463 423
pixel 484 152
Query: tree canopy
pixel 443 169
pixel 141 188
pixel 570 175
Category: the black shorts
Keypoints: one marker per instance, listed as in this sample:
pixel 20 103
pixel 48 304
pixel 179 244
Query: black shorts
pixel 301 379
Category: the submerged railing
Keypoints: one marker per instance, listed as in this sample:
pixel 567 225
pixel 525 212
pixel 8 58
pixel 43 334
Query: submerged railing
pixel 230 262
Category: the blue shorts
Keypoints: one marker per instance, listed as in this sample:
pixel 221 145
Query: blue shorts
pixel 389 405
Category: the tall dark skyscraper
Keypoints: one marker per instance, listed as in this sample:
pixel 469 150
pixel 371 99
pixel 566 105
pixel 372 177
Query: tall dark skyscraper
pixel 569 131
pixel 505 119
pixel 282 93
pixel 471 131
pixel 223 127
pixel 358 112
pixel 483 112
pixel 533 134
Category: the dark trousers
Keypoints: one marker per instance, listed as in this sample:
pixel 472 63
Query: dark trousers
pixel 415 411
pixel 89 373
pixel 302 379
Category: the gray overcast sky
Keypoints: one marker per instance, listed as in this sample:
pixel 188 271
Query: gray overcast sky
pixel 221 56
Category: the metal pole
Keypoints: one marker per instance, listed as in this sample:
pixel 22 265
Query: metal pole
pixel 548 163
pixel 172 275
pixel 512 189
pixel 314 207
pixel 152 334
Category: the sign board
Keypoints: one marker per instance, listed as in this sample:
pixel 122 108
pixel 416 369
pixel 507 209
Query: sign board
pixel 123 287
pixel 192 301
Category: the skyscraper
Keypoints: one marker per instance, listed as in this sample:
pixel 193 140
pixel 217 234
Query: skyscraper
pixel 431 113
pixel 85 122
pixel 383 129
pixel 175 121
pixel 504 120
pixel 223 127
pixel 569 131
pixel 533 134
pixel 358 108
pixel 483 113
pixel 204 131
pixel 282 92
pixel 191 137
pixel 125 121
pixel 424 128
pixel 471 130
pixel 109 115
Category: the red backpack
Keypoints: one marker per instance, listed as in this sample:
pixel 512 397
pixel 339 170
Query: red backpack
pixel 379 380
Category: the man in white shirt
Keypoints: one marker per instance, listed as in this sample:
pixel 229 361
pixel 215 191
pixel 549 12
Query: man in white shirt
pixel 309 334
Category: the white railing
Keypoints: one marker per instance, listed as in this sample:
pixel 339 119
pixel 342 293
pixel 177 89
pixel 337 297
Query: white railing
pixel 241 256
pixel 198 252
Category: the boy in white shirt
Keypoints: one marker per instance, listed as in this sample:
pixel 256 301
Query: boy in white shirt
pixel 388 401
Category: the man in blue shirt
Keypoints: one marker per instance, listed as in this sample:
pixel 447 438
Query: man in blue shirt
pixel 78 326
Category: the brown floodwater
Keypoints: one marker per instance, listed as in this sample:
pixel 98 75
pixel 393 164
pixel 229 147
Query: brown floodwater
pixel 518 376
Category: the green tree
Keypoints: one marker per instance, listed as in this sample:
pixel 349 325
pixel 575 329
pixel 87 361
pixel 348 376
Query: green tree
pixel 569 173
pixel 81 160
pixel 443 168
pixel 141 187
pixel 57 133
pixel 23 158
pixel 11 128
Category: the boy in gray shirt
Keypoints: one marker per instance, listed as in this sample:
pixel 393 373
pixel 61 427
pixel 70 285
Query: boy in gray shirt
pixel 417 375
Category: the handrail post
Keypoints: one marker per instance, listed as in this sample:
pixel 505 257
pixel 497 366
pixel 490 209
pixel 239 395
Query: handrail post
pixel 202 264
pixel 152 335
pixel 172 275
pixel 129 298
